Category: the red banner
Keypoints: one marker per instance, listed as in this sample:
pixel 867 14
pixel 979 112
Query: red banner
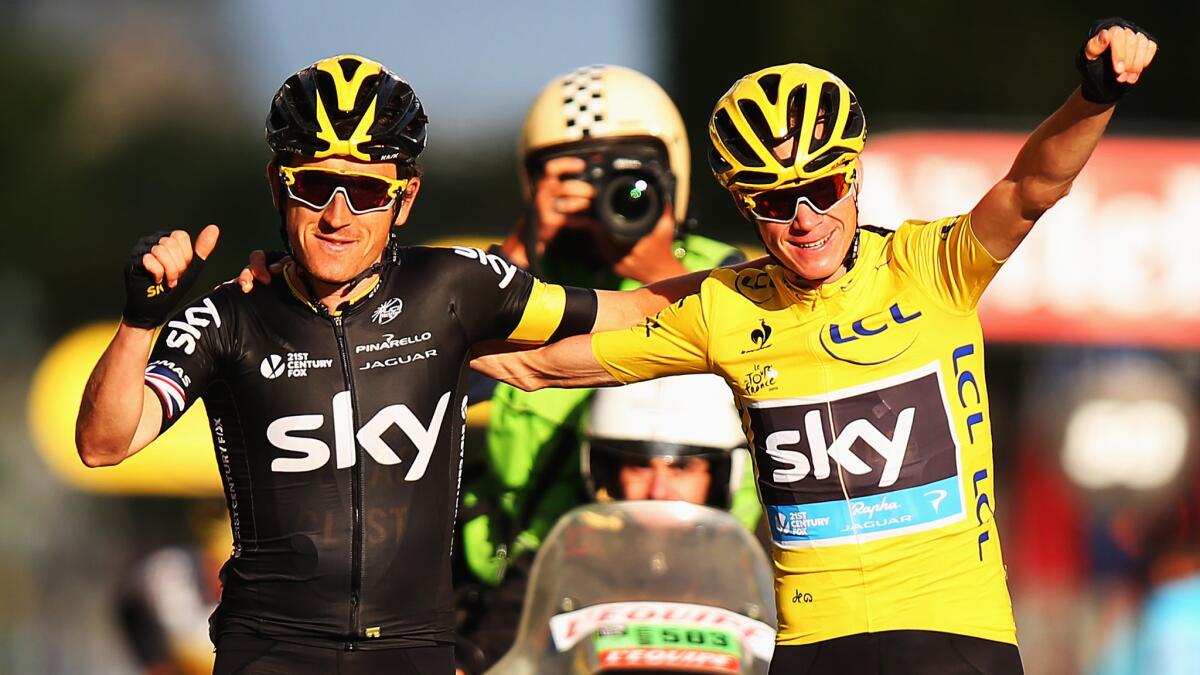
pixel 1115 262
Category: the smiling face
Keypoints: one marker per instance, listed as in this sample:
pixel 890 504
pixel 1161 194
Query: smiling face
pixel 332 244
pixel 813 246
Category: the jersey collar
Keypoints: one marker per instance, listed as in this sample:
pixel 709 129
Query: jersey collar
pixel 299 290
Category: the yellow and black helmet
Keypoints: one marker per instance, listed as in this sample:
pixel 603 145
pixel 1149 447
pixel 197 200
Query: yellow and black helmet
pixel 347 106
pixel 603 102
pixel 763 110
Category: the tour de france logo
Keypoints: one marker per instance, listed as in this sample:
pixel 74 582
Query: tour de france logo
pixel 760 378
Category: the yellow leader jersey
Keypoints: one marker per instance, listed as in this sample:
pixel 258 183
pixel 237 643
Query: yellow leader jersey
pixel 865 405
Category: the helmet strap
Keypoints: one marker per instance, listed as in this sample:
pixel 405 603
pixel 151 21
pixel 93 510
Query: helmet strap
pixel 282 204
pixel 852 253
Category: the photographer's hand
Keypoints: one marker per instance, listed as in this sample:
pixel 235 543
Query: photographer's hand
pixel 652 258
pixel 560 199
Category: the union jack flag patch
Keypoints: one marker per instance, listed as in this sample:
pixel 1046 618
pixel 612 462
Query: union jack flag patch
pixel 169 386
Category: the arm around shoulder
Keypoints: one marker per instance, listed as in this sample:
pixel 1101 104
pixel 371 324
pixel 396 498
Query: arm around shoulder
pixel 622 309
pixel 568 363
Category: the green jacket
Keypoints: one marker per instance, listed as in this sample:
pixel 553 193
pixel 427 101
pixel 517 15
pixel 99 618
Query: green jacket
pixel 532 456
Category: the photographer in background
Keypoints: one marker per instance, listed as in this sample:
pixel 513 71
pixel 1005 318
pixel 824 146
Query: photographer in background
pixel 605 166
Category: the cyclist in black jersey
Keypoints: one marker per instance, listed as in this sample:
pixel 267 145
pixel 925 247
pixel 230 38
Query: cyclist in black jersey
pixel 335 400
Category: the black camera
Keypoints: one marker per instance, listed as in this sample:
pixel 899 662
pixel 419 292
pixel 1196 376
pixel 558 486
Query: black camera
pixel 633 184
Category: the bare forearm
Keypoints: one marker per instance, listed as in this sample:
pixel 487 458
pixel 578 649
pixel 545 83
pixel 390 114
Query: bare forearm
pixel 622 309
pixel 1056 152
pixel 114 399
pixel 568 363
pixel 1042 174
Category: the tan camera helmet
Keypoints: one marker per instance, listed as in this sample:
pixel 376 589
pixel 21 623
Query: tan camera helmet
pixel 603 102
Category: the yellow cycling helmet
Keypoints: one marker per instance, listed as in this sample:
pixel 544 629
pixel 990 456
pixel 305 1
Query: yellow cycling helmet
pixel 347 106
pixel 766 108
pixel 607 102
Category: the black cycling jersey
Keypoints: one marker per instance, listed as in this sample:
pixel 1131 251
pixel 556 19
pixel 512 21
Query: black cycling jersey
pixel 339 437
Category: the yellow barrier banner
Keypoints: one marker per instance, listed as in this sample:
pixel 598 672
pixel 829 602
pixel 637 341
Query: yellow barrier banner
pixel 180 463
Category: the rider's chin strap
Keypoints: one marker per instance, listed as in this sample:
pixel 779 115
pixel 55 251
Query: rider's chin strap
pixel 852 253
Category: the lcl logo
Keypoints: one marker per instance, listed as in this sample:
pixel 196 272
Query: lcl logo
pixel 860 329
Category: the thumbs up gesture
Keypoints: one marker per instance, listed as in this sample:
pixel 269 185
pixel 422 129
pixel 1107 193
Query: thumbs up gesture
pixel 161 269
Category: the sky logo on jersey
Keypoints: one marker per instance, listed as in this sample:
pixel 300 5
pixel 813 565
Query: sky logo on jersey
pixel 387 311
pixel 168 381
pixel 306 453
pixel 499 265
pixel 869 462
pixel 184 334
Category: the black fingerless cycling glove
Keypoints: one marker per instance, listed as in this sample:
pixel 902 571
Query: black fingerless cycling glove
pixel 148 304
pixel 1099 81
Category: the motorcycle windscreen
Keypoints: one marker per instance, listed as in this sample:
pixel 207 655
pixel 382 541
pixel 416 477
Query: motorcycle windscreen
pixel 644 569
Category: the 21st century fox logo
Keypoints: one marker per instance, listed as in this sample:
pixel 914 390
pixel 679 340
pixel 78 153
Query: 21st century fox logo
pixel 296 364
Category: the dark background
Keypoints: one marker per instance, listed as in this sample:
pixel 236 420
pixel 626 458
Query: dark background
pixel 76 193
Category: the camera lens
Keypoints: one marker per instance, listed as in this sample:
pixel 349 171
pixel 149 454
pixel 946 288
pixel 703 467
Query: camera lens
pixel 630 205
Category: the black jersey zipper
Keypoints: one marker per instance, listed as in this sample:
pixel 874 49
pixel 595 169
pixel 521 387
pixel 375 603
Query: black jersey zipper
pixel 356 481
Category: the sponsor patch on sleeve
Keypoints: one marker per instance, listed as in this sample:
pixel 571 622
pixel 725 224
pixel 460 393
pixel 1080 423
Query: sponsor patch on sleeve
pixel 170 383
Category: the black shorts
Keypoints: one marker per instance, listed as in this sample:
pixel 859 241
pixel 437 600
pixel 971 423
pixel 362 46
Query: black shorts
pixel 252 655
pixel 899 652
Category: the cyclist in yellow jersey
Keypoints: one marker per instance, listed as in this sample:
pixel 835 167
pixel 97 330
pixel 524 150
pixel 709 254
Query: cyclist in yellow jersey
pixel 856 357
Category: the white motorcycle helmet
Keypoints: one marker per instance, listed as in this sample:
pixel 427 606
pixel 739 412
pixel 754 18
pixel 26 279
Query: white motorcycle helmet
pixel 686 416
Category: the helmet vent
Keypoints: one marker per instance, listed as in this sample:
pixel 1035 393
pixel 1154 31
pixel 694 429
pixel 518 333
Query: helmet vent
pixel 717 162
pixel 854 120
pixel 827 113
pixel 827 158
pixel 795 108
pixel 733 141
pixel 754 178
pixel 348 67
pixel 757 122
pixel 770 87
